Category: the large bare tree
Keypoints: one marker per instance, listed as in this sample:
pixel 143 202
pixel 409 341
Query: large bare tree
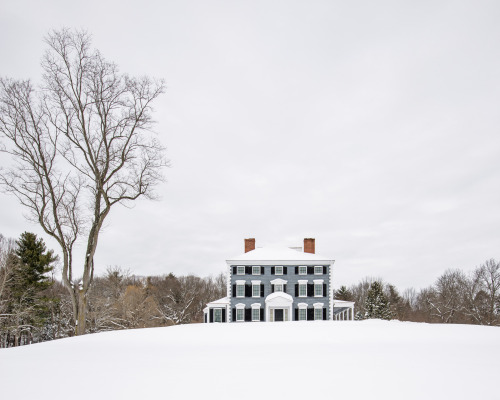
pixel 81 143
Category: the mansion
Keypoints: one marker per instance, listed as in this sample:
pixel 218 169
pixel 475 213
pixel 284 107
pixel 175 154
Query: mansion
pixel 279 284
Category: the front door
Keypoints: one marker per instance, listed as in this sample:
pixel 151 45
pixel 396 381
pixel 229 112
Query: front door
pixel 278 314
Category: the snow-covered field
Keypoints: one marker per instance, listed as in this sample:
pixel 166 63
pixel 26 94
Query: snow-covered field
pixel 295 360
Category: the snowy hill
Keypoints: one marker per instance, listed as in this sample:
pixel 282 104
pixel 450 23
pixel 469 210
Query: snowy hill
pixel 295 360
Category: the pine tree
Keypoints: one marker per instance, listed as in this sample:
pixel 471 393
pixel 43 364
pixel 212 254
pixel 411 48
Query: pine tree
pixel 27 304
pixel 377 305
pixel 343 294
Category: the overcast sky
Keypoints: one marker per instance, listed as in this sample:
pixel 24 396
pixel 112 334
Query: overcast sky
pixel 370 126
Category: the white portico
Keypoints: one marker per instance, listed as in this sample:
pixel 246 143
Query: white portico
pixel 279 307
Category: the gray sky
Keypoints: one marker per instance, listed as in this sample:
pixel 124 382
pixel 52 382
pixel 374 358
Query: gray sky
pixel 371 126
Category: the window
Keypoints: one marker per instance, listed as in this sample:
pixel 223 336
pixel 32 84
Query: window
pixel 240 270
pixel 318 290
pixel 255 314
pixel 278 270
pixel 217 314
pixel 302 289
pixel 240 314
pixel 302 314
pixel 318 270
pixel 255 270
pixel 318 314
pixel 302 270
pixel 240 290
pixel 278 288
pixel 256 290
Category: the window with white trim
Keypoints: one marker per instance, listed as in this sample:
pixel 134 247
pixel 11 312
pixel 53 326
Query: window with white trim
pixel 255 270
pixel 240 270
pixel 217 314
pixel 256 290
pixel 318 290
pixel 318 270
pixel 302 314
pixel 302 270
pixel 278 270
pixel 278 288
pixel 240 314
pixel 318 314
pixel 302 289
pixel 255 314
pixel 240 290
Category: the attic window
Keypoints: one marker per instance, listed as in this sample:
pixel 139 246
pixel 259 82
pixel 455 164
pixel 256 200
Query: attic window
pixel 240 270
pixel 302 270
pixel 318 270
pixel 255 270
pixel 278 270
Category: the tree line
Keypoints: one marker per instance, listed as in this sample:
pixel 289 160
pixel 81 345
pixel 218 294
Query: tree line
pixel 36 307
pixel 456 297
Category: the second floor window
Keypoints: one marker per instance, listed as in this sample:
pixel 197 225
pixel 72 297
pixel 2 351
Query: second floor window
pixel 278 288
pixel 240 290
pixel 302 290
pixel 318 290
pixel 255 290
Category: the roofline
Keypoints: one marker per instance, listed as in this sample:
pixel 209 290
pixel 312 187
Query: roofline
pixel 279 262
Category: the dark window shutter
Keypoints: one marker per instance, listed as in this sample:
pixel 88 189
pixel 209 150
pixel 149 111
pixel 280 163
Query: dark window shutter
pixel 248 290
pixel 284 288
pixel 272 270
pixel 296 290
pixel 284 271
pixel 262 270
pixel 310 314
pixel 310 290
pixel 234 291
pixel 324 290
pixel 310 270
pixel 223 315
pixel 234 315
pixel 234 270
pixel 248 270
pixel 248 314
pixel 325 270
pixel 205 317
pixel 324 314
pixel 272 288
pixel 296 270
pixel 296 314
pixel 211 312
pixel 262 314
pixel 261 290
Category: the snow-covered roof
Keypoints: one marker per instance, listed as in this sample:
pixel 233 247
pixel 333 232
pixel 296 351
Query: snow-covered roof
pixel 274 255
pixel 221 302
pixel 342 303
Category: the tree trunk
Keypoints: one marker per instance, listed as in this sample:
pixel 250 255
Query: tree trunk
pixel 81 313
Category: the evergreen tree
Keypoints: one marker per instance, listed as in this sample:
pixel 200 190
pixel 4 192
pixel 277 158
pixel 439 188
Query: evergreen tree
pixel 28 305
pixel 343 294
pixel 377 305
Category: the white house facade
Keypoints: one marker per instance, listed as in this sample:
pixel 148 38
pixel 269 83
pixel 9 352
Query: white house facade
pixel 278 284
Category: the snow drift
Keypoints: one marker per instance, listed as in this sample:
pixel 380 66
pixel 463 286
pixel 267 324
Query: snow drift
pixel 293 360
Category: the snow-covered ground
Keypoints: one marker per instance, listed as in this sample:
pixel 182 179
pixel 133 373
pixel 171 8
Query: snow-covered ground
pixel 295 360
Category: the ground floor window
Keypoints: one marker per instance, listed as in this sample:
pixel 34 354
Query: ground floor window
pixel 255 314
pixel 240 314
pixel 217 314
pixel 302 314
pixel 318 314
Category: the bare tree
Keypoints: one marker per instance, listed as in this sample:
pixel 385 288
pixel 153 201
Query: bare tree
pixel 81 144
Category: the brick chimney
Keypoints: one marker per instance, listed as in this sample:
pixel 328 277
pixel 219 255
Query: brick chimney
pixel 309 246
pixel 250 245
